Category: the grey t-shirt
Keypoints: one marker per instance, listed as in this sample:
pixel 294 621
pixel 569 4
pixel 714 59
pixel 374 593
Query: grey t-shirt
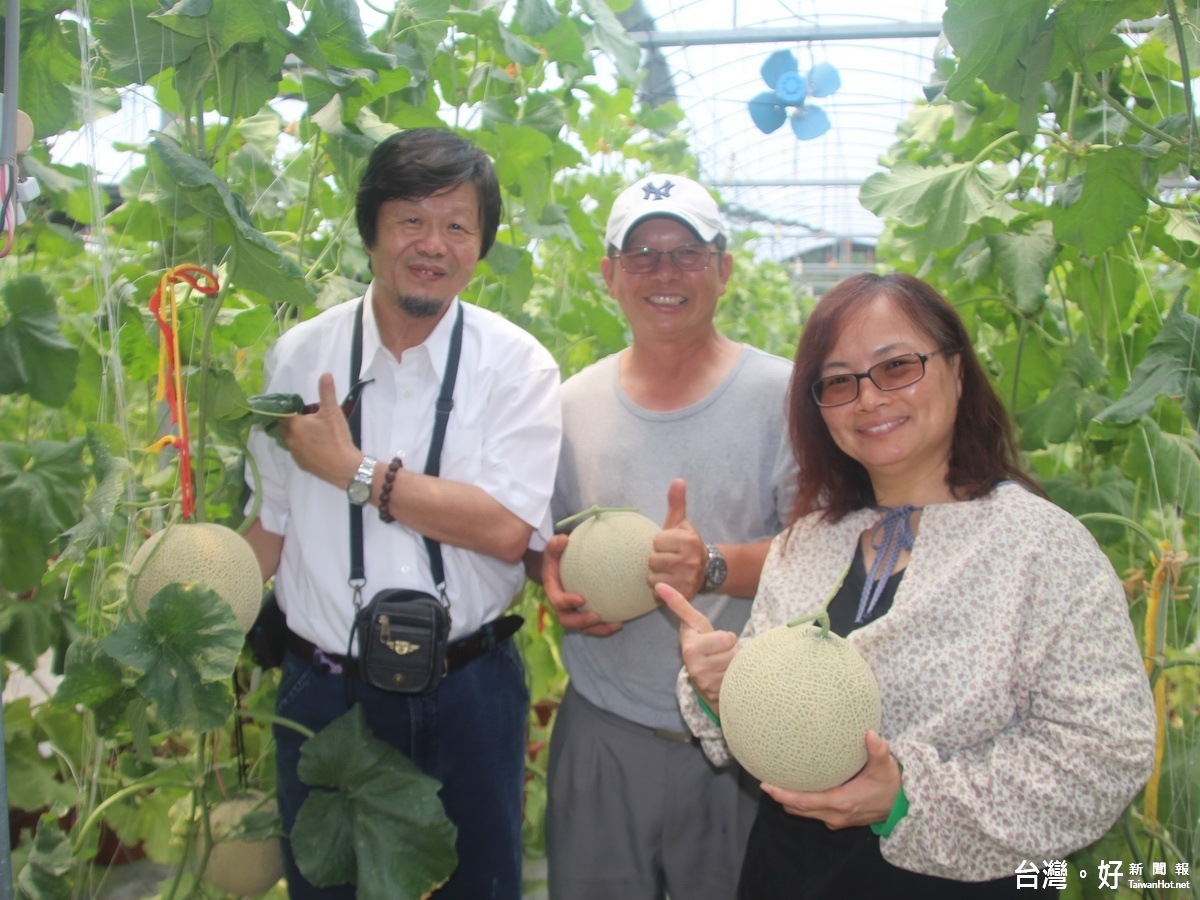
pixel 733 449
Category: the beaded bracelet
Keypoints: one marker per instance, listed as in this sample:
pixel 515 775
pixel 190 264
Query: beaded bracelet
pixel 385 492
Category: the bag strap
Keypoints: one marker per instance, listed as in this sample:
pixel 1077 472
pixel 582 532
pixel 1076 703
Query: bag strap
pixel 433 462
pixel 358 572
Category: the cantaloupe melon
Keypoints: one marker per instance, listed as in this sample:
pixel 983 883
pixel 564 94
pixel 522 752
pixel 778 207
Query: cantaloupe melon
pixel 238 866
pixel 607 562
pixel 796 704
pixel 202 552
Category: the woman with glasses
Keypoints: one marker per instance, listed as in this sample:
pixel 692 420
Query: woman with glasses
pixel 1017 716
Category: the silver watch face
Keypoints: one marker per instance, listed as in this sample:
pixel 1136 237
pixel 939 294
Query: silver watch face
pixel 359 492
pixel 717 569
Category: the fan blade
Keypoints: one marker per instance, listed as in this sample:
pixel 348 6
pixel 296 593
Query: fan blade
pixel 778 64
pixel 823 79
pixel 767 112
pixel 810 122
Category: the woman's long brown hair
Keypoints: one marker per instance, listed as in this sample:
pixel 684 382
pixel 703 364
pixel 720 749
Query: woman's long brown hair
pixel 983 452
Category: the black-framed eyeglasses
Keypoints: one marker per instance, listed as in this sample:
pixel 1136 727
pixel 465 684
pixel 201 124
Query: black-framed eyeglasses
pixel 685 257
pixel 890 375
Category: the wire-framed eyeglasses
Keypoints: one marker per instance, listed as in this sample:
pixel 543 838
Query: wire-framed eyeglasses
pixel 685 257
pixel 890 375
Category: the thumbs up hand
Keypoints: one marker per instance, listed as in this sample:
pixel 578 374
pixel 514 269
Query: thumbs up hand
pixel 679 557
pixel 320 443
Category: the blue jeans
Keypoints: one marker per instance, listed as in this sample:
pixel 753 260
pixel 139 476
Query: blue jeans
pixel 469 734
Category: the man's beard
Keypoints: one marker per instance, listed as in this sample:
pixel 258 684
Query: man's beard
pixel 419 307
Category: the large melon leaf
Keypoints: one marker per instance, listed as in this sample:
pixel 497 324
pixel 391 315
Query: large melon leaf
pixel 381 827
pixel 185 651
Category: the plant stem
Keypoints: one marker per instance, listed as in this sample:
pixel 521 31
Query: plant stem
pixel 1120 109
pixel 124 792
pixel 595 511
pixel 986 151
pixel 1120 520
pixel 272 719
pixel 1188 102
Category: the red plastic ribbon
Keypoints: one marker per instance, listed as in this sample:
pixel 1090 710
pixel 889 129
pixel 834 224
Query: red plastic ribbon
pixel 170 378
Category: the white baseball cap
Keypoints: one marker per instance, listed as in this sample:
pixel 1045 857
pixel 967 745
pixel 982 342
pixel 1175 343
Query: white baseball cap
pixel 663 195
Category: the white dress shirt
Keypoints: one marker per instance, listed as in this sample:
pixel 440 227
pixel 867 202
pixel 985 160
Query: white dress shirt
pixel 503 436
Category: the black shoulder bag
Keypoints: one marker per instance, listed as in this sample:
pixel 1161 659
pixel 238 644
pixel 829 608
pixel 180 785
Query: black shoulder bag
pixel 403 633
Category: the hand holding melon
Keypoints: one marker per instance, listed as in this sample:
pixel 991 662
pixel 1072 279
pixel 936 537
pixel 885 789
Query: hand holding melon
pixel 796 705
pixel 607 562
pixel 796 702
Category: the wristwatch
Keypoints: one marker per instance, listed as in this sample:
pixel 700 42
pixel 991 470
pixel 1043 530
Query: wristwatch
pixel 359 488
pixel 716 570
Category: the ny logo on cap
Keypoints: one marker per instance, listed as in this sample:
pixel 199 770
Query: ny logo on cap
pixel 650 192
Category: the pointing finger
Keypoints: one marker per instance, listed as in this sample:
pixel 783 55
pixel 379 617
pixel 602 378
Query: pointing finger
pixel 678 604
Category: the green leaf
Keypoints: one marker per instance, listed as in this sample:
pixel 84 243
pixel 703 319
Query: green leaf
pixel 519 51
pixel 1183 225
pixel 186 649
pixel 1025 261
pixel 990 39
pixel 1084 29
pixel 1109 206
pixel 93 679
pixel 41 489
pixel 258 264
pixel 942 199
pixel 29 626
pixel 380 825
pixel 49 67
pixel 610 36
pixel 1099 125
pixel 247 79
pixel 44 876
pixel 112 474
pixel 136 46
pixel 504 259
pixel 536 17
pixel 1170 368
pixel 35 358
pixel 1168 465
pixel 33 781
pixel 1070 405
pixel 334 36
pixel 224 24
pixel 387 88
pixel 1107 492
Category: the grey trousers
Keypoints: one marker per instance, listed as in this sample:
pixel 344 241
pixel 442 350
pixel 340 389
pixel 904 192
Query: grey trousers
pixel 633 815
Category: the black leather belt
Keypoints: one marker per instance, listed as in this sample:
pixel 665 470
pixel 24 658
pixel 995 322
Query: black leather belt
pixel 458 654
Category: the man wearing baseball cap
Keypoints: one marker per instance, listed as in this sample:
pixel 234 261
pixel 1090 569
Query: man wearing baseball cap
pixel 689 427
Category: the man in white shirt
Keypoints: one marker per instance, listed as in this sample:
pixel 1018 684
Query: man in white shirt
pixel 428 209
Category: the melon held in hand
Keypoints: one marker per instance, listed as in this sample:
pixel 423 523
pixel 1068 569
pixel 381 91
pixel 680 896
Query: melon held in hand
pixel 796 705
pixel 191 552
pixel 607 562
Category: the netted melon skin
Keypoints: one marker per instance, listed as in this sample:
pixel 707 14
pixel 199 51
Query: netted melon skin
pixel 203 552
pixel 607 562
pixel 240 867
pixel 796 707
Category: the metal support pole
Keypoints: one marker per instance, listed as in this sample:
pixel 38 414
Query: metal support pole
pixel 12 58
pixel 8 157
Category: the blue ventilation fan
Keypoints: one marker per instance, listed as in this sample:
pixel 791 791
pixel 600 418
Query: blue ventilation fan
pixel 789 88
